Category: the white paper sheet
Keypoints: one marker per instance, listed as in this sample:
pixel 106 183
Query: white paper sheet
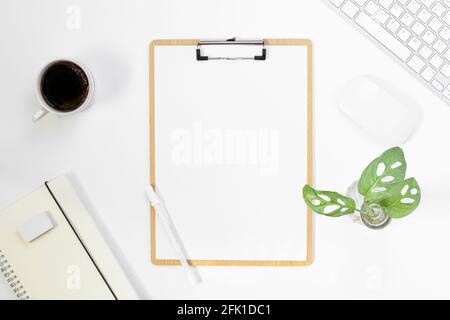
pixel 231 153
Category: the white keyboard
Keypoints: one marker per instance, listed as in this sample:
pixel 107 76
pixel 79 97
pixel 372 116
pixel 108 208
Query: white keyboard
pixel 417 32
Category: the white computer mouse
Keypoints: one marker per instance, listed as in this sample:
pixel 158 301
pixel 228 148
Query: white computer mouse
pixel 381 111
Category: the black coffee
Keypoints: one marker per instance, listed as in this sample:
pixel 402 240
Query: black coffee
pixel 64 86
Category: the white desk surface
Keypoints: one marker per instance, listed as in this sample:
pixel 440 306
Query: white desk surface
pixel 105 149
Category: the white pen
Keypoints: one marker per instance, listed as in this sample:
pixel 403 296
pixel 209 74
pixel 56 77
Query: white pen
pixel 172 233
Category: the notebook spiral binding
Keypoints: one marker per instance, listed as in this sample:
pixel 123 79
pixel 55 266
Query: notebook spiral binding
pixel 11 278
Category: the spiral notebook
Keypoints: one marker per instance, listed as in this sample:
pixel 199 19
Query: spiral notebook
pixel 50 248
pixel 231 148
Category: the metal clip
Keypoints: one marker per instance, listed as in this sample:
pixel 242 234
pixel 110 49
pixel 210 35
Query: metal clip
pixel 231 41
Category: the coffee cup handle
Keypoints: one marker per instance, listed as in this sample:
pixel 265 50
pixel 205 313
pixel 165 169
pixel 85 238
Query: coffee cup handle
pixel 39 114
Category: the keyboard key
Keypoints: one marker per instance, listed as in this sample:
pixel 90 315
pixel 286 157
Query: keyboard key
pixel 428 73
pixel 445 70
pixel 414 43
pixel 438 9
pixel 424 15
pixel 446 93
pixel 445 33
pixel 447 55
pixel 418 28
pixel 425 52
pixel 350 9
pixel 337 3
pixel 383 36
pixel 372 7
pixel 437 85
pixel 416 64
pixel 386 3
pixel 436 61
pixel 396 10
pixel 435 24
pixel 360 2
pixel 429 37
pixel 446 18
pixel 440 46
pixel 393 25
pixel 413 6
pixel 407 19
pixel 404 34
pixel 382 16
pixel 428 3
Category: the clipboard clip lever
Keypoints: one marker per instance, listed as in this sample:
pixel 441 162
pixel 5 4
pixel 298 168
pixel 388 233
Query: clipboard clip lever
pixel 231 41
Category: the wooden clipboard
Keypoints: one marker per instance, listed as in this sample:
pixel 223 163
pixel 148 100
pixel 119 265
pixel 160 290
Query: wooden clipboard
pixel 309 159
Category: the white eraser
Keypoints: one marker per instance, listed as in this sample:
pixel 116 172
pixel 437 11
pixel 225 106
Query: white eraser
pixel 36 226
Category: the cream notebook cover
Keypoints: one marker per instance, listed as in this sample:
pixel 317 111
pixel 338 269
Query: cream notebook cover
pixel 50 248
pixel 230 150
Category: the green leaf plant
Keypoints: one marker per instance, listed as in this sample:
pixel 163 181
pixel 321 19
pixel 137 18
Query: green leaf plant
pixel 382 182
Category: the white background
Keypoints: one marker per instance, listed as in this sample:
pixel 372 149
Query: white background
pixel 106 148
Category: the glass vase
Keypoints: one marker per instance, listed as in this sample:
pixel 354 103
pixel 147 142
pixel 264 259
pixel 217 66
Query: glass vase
pixel 372 215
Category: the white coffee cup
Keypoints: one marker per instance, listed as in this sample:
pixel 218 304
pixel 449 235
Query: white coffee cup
pixel 46 107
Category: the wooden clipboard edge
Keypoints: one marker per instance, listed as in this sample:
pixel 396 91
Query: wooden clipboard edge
pixel 287 263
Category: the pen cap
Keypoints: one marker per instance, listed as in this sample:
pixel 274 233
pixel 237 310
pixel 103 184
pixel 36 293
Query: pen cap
pixel 152 196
